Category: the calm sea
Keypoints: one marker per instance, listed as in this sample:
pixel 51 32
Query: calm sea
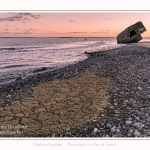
pixel 19 57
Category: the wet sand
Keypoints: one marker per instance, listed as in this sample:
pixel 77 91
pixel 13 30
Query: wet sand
pixel 103 96
pixel 144 44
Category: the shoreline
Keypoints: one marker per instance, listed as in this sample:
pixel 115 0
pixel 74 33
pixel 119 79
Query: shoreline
pixel 126 113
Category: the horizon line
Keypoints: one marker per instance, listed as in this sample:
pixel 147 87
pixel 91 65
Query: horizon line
pixel 54 37
pixel 63 37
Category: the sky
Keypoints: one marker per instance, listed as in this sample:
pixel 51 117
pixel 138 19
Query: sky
pixel 70 24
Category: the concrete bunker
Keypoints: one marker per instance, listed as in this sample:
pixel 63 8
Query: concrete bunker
pixel 131 34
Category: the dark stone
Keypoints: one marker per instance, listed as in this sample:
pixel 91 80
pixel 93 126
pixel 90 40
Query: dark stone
pixel 18 79
pixel 40 69
pixel 145 80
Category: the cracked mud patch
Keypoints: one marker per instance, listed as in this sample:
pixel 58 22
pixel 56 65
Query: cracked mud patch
pixel 57 106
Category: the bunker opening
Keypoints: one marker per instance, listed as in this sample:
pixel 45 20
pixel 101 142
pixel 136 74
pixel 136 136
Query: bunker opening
pixel 132 33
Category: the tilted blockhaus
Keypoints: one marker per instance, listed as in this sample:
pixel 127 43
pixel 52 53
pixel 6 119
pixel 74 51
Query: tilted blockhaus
pixel 132 34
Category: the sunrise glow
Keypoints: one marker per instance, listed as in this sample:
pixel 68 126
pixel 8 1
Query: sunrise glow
pixel 70 24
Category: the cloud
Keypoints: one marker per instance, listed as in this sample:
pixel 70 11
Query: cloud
pixel 76 32
pixel 35 16
pixel 103 30
pixel 12 18
pixel 72 32
pixel 24 14
pixel 71 21
pixel 24 32
pixel 30 15
pixel 5 32
pixel 63 33
pixel 21 17
pixel 26 19
pixel 95 32
pixel 17 33
pixel 27 32
pixel 33 29
pixel 17 29
pixel 50 32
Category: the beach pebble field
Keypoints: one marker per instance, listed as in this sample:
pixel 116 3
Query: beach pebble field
pixel 106 95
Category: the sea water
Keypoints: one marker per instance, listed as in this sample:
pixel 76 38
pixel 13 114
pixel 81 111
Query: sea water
pixel 19 57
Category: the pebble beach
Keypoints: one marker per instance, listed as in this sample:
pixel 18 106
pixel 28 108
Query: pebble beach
pixel 106 95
